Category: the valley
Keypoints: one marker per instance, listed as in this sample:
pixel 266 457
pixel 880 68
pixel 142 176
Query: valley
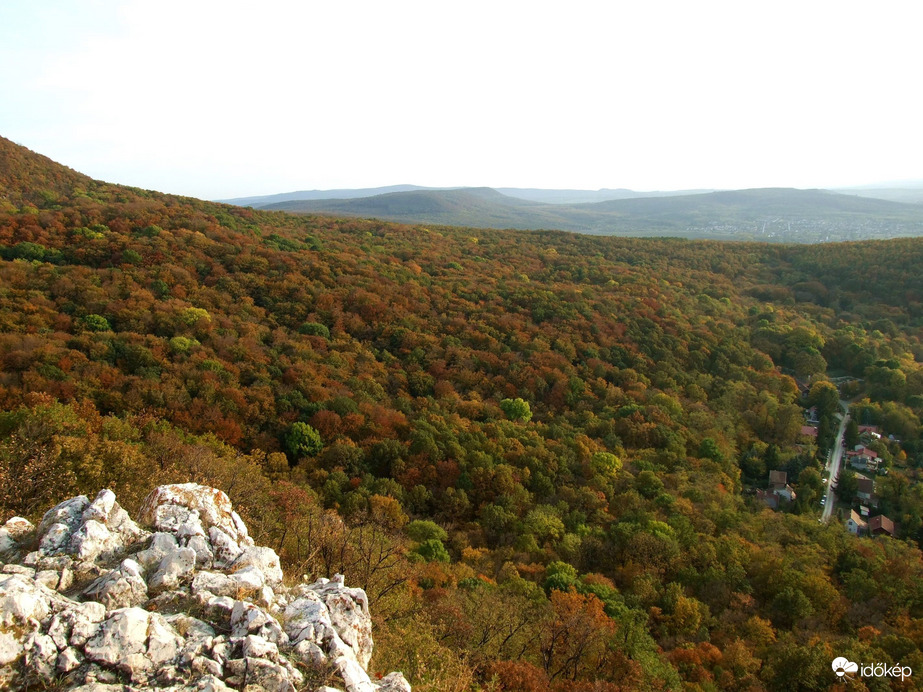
pixel 544 455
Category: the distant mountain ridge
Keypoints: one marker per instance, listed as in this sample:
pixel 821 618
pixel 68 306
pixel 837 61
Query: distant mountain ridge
pixel 774 214
pixel 261 201
pixel 532 194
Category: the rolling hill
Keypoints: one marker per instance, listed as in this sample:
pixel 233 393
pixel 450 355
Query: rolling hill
pixel 772 214
pixel 261 201
pixel 546 196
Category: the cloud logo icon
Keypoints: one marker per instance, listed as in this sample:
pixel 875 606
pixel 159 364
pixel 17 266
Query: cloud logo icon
pixel 843 667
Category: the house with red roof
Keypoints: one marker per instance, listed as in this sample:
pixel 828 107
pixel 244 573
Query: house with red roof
pixel 880 525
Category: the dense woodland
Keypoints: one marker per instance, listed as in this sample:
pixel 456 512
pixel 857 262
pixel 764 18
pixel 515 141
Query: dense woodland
pixel 535 450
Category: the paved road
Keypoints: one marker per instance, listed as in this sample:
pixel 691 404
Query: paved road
pixel 834 459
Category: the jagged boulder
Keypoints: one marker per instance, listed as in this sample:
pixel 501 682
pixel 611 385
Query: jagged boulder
pixel 87 531
pixel 194 606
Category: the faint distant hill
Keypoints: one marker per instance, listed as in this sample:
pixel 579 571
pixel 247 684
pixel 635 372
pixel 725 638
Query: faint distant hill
pixel 910 191
pixel 532 194
pixel 586 196
pixel 476 207
pixel 260 201
pixel 777 214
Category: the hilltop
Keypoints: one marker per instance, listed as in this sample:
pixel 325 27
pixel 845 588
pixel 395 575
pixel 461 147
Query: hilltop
pixel 537 452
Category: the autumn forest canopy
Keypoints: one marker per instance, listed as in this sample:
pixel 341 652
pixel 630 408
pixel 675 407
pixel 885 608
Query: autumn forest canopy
pixel 537 451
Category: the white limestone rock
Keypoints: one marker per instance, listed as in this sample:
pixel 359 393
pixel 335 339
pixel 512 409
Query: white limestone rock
pixel 209 683
pixel 354 676
pixel 55 539
pixel 226 550
pixel 254 646
pixel 23 602
pixel 69 513
pixel 169 507
pixel 18 569
pixel 247 583
pixel 163 643
pixel 86 530
pixel 92 539
pixel 12 534
pixel 121 635
pixel 41 655
pixel 101 507
pixel 393 682
pixel 248 631
pixel 247 618
pixel 119 588
pixel 269 676
pixel 263 559
pixel 174 567
pixel 204 555
pixel 191 527
pixel 85 622
pixel 310 653
pixel 11 647
pixel 307 619
pixel 48 578
pixel 161 544
pixel 202 665
pixel 69 659
pixel 349 614
pixel 105 529
pixel 191 628
pixel 221 649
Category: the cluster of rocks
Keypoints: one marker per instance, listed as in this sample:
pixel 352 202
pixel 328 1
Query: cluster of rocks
pixel 182 600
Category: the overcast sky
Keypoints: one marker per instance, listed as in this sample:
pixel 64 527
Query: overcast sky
pixel 218 99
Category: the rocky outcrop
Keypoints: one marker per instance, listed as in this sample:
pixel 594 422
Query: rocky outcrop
pixel 180 600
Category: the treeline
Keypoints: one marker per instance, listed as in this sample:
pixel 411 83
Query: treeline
pixel 533 449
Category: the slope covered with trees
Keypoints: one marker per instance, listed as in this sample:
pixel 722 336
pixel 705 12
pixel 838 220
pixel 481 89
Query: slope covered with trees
pixel 535 450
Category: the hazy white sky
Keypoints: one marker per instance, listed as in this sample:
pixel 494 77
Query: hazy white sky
pixel 219 99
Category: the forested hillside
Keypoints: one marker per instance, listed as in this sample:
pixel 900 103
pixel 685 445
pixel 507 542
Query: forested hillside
pixel 535 450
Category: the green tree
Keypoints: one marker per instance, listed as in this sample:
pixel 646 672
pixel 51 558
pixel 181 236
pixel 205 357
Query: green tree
pixel 851 434
pixel 433 550
pixel 517 409
pixel 96 323
pixel 314 329
pixel 192 315
pixel 848 485
pixel 648 484
pixel 560 576
pixel 303 441
pixel 422 530
pixel 544 523
pixel 810 487
pixel 708 449
pixel 605 463
pixel 825 397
